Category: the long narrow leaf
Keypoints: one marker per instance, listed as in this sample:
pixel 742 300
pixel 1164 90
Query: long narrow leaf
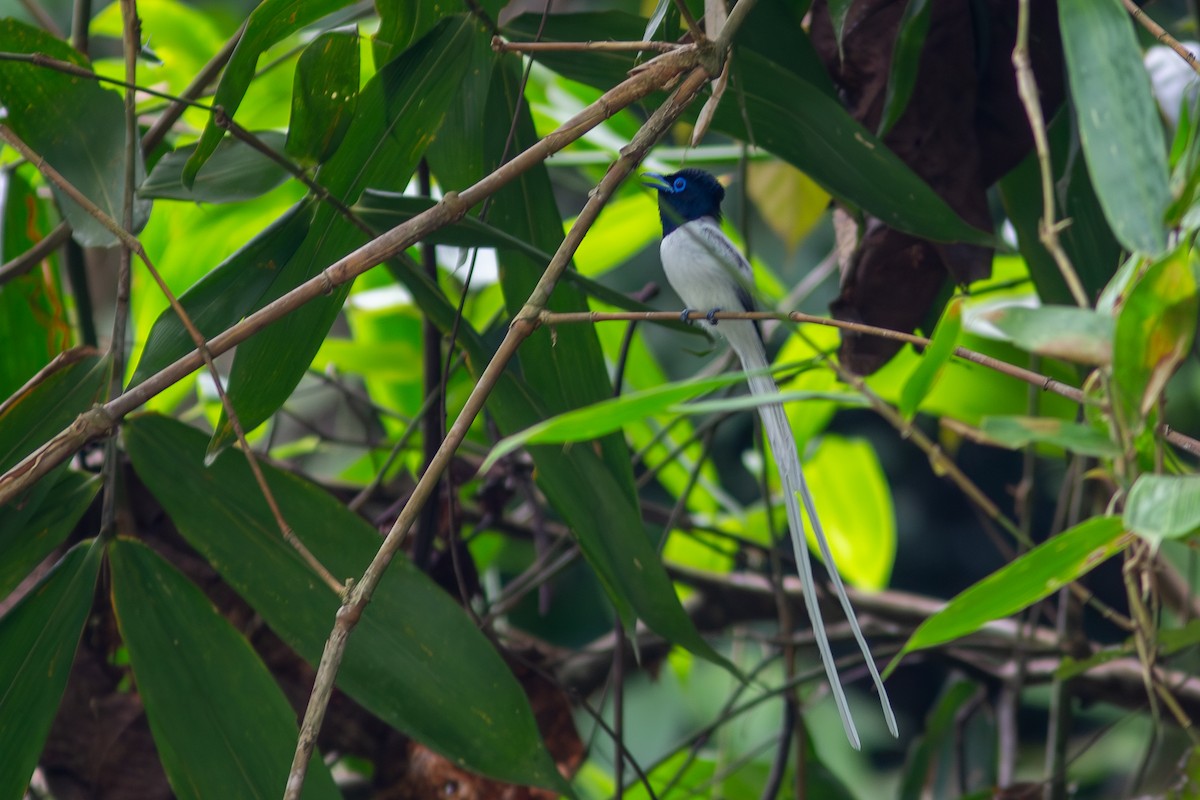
pixel 37 645
pixel 1043 570
pixel 416 660
pixel 221 724
pixel 1118 120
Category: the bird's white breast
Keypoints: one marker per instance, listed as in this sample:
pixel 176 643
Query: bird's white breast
pixel 704 268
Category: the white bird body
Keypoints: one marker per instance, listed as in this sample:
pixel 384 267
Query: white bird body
pixel 708 273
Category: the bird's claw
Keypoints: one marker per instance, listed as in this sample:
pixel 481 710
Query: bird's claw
pixel 711 316
pixel 683 317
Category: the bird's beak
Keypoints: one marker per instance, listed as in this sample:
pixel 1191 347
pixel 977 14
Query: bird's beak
pixel 657 181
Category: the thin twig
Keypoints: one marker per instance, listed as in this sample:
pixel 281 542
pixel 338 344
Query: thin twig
pixel 1044 382
pixel 42 18
pixel 117 348
pixel 207 74
pixel 453 206
pixel 1160 34
pixel 524 324
pixel 35 255
pixel 1027 89
pixel 95 416
pixel 504 46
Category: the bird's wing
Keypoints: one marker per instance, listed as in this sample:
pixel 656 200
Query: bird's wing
pixel 715 241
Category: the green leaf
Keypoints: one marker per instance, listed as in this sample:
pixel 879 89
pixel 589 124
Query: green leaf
pixel 402 22
pixel 1017 432
pixel 1036 575
pixel 1043 570
pixel 1088 241
pixel 324 96
pixel 854 503
pixel 236 171
pixel 384 210
pixel 399 110
pixel 416 661
pixel 38 637
pixel 1186 786
pixel 797 121
pixel 1163 506
pixel 269 23
pixel 1118 120
pixel 838 11
pixel 591 487
pixel 221 724
pixel 34 323
pixel 791 115
pixel 34 416
pixel 77 127
pixel 941 732
pixel 602 418
pixel 1154 332
pixel 226 294
pixel 1079 335
pixel 28 536
pixel 906 61
pixel 939 352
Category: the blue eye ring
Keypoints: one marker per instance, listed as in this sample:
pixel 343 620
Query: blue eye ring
pixel 679 185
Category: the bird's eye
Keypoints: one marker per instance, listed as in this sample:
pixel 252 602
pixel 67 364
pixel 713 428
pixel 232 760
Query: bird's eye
pixel 679 185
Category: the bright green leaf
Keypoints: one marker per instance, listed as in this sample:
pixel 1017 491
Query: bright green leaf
pixel 606 416
pixel 399 111
pixel 1043 570
pixel 1154 333
pixel 220 722
pixel 1163 506
pixel 854 503
pixel 226 294
pixel 269 23
pixel 939 352
pixel 1118 120
pixel 38 637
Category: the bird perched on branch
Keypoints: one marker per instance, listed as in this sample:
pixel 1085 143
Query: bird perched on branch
pixel 709 274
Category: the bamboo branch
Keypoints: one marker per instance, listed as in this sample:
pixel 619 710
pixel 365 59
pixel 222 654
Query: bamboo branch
pixel 1043 382
pixel 1027 89
pixel 453 206
pixel 1159 33
pixel 525 323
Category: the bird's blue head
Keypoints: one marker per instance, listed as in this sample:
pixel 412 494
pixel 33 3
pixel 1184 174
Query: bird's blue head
pixel 685 195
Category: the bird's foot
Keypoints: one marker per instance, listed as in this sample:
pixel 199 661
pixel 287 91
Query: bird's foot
pixel 683 316
pixel 711 316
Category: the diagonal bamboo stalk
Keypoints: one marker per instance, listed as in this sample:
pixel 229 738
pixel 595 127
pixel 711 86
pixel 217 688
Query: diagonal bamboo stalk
pixel 526 322
pixel 99 421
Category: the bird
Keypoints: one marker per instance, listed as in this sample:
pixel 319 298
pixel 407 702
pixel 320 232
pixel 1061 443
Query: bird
pixel 709 274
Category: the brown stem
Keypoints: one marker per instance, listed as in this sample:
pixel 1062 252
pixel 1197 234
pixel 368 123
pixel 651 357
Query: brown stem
pixel 524 324
pixel 453 206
